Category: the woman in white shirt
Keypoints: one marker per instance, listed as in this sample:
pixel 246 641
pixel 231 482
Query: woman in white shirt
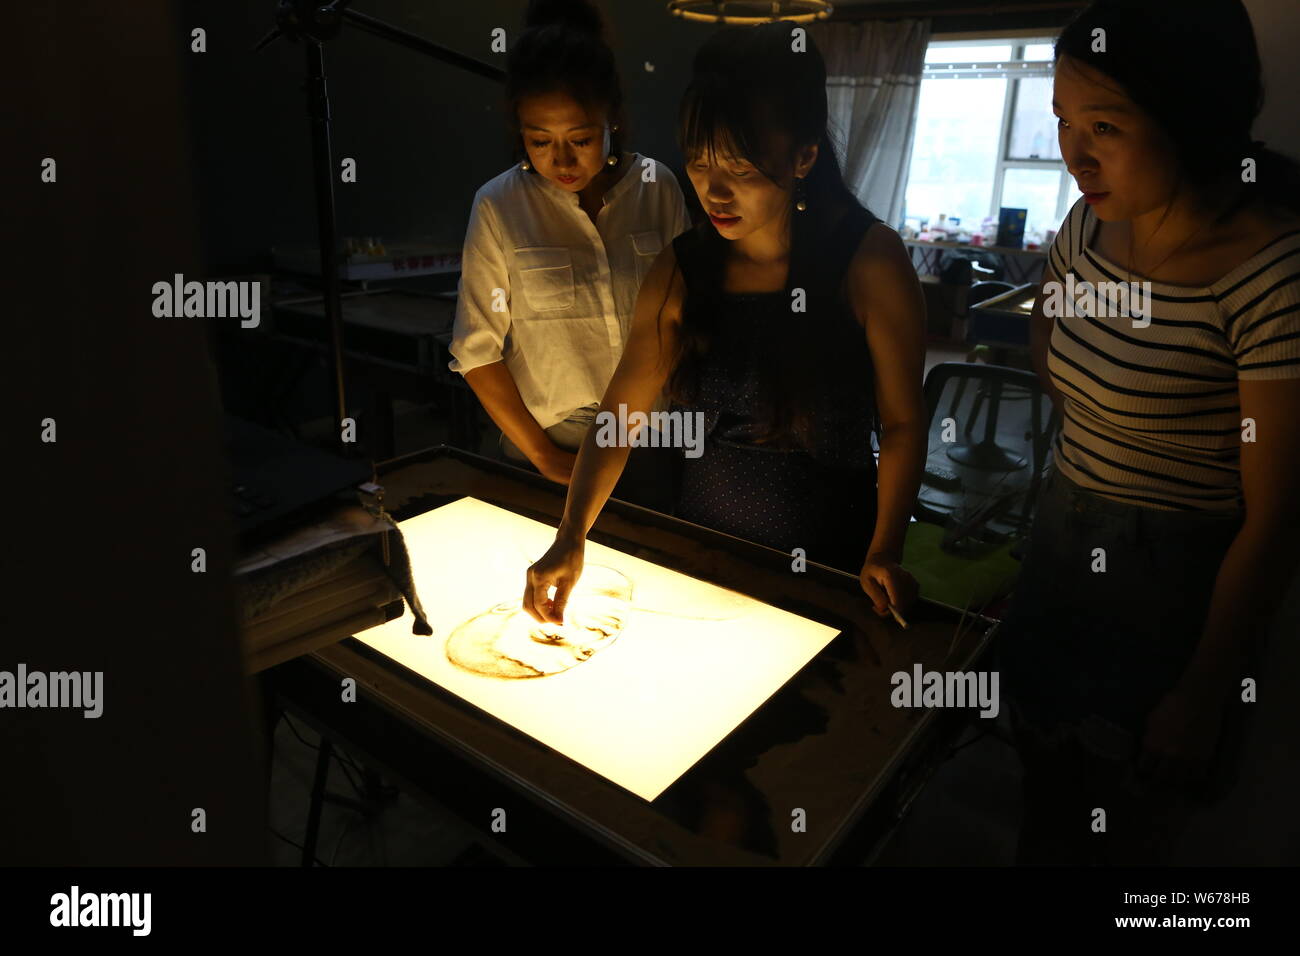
pixel 557 245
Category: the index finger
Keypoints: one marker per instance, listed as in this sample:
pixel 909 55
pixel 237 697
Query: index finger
pixel 891 588
pixel 555 606
pixel 529 601
pixel 877 595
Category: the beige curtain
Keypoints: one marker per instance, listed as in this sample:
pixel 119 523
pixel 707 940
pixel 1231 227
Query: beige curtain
pixel 873 84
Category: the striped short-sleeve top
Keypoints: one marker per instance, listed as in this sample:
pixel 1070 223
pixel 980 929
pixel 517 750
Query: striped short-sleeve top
pixel 1151 414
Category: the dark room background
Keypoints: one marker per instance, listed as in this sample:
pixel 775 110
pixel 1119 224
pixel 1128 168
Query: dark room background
pixel 425 135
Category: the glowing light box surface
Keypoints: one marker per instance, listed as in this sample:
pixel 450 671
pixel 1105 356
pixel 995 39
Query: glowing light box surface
pixel 691 661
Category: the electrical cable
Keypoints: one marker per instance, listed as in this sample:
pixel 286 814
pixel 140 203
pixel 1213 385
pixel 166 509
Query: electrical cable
pixel 298 846
pixel 343 758
pixel 346 829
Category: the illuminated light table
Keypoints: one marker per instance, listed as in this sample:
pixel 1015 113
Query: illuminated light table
pixel 717 708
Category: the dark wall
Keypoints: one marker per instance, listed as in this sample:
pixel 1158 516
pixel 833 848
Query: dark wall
pixel 425 135
pixel 102 521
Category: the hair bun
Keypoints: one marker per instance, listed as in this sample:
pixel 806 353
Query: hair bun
pixel 578 15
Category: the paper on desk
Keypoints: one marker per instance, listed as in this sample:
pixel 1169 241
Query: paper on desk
pixel 350 521
pixel 343 524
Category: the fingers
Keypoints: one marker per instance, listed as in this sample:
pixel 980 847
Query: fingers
pixel 877 594
pixel 901 587
pixel 558 603
pixel 538 603
pixel 888 584
pixel 530 592
pixel 893 586
pixel 537 600
pixel 559 568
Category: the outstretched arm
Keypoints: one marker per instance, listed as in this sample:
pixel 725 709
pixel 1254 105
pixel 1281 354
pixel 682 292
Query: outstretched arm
pixel 637 382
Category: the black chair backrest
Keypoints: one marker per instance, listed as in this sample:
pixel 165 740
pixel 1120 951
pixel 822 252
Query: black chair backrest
pixel 990 437
pixel 983 291
pixel 990 262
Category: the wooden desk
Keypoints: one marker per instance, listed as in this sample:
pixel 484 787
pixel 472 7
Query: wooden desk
pixel 396 345
pixel 1022 265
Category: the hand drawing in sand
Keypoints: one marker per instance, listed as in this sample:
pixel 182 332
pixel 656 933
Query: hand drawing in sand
pixel 506 642
pixel 648 671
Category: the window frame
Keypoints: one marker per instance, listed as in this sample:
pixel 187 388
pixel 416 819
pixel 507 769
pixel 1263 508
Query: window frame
pixel 1006 161
pixel 1018 43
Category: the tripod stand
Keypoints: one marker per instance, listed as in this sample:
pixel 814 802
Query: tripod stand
pixel 315 23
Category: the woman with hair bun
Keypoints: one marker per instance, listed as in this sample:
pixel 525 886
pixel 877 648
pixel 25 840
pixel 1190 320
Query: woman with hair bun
pixel 558 244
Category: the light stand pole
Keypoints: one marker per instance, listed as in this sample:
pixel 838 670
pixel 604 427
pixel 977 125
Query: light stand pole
pixel 315 23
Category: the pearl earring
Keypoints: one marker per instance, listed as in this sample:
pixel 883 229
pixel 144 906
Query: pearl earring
pixel 612 160
pixel 525 165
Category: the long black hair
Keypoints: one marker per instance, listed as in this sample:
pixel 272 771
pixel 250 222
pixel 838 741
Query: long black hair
pixel 1194 69
pixel 748 83
pixel 563 48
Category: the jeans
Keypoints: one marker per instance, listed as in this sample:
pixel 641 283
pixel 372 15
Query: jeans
pixel 568 434
pixel 1086 654
pixel 1084 644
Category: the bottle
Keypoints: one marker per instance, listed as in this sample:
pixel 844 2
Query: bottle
pixel 989 229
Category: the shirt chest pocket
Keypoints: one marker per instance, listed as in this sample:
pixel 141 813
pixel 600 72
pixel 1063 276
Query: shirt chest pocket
pixel 645 247
pixel 546 274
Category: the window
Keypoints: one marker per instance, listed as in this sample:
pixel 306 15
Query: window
pixel 986 137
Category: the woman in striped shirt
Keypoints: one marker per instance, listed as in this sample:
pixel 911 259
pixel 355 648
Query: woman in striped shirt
pixel 1168 333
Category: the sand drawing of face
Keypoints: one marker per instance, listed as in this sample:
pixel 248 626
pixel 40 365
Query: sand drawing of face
pixel 505 642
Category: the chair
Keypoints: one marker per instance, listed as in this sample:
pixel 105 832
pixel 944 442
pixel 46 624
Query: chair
pixel 989 453
pixel 981 261
pixel 984 468
pixel 982 291
pixel 995 336
pixel 958 292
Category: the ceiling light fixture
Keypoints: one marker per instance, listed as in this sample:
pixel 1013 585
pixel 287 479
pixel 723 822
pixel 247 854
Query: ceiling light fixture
pixel 750 11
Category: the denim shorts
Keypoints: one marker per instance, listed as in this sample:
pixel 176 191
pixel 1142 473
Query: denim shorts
pixel 649 478
pixel 568 434
pixel 1083 647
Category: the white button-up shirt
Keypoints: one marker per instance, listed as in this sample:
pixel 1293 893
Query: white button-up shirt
pixel 553 294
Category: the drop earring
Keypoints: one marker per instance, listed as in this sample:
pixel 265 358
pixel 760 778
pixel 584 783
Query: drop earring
pixel 612 159
pixel 800 200
pixel 525 165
